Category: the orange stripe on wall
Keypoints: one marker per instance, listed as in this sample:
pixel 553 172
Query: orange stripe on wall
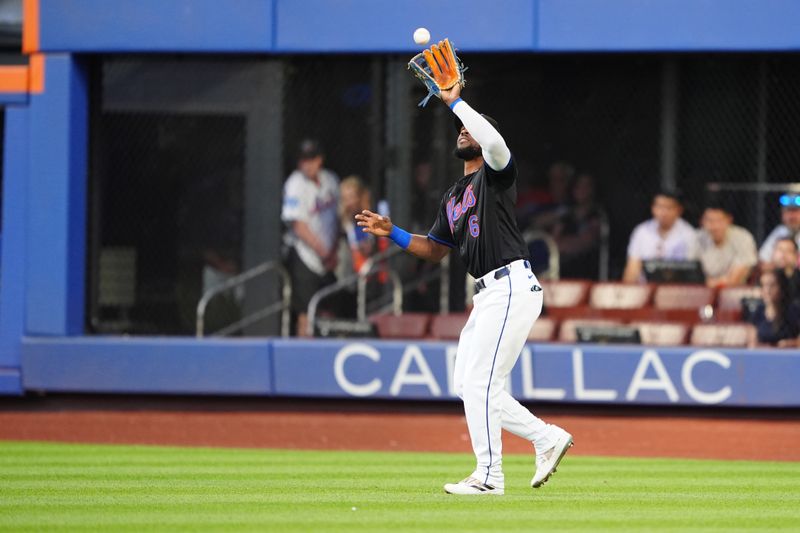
pixel 36 73
pixel 14 79
pixel 30 26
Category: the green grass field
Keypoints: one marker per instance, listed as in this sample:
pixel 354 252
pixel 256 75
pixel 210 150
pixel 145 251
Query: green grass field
pixel 58 487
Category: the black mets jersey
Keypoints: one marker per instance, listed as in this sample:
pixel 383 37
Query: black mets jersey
pixel 476 216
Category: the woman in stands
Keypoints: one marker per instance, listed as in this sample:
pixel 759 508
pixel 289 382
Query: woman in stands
pixel 778 319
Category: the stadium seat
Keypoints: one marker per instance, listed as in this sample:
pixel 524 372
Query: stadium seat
pixel 449 326
pixel 565 292
pixel 729 301
pixel 682 296
pixel 543 329
pixel 662 333
pixel 405 326
pixel 609 295
pixel 567 332
pixel 731 297
pixel 563 313
pixel 723 334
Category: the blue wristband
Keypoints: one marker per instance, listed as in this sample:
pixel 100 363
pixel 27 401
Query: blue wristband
pixel 401 237
pixel 457 100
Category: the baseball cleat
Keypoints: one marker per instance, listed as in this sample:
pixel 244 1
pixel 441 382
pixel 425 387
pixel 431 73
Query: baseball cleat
pixel 547 461
pixel 472 486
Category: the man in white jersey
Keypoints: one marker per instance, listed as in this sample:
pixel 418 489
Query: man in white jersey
pixel 310 212
pixel 665 236
pixel 476 217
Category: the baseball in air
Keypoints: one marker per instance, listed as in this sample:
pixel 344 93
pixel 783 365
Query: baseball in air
pixel 422 36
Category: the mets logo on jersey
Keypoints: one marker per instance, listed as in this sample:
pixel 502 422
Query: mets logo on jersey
pixel 455 210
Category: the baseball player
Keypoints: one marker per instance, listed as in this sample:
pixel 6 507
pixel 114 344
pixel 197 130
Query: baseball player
pixel 476 218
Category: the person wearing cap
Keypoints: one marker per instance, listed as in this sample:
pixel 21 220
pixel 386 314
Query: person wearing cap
pixel 311 214
pixel 665 236
pixel 789 227
pixel 726 251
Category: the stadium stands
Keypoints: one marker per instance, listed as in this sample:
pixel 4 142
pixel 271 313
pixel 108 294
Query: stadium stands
pixel 662 333
pixel 405 326
pixel 567 332
pixel 664 315
pixel 449 326
pixel 565 293
pixel 729 302
pixel 681 302
pixel 609 295
pixel 736 334
pixel 543 330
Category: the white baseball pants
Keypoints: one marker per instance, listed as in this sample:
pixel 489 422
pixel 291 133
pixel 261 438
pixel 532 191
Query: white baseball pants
pixel 489 346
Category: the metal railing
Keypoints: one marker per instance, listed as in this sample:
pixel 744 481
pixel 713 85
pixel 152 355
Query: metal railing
pixel 554 257
pixel 374 265
pixel 241 279
pixel 355 278
pixel 442 273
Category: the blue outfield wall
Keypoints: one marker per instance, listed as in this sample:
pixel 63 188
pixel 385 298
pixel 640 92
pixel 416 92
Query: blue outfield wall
pixel 147 365
pixel 13 265
pixel 545 372
pixel 409 371
pixel 279 26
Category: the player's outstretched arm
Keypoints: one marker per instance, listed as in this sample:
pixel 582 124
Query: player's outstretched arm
pixel 494 148
pixel 417 245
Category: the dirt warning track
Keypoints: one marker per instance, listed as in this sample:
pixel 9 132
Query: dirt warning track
pixel 375 428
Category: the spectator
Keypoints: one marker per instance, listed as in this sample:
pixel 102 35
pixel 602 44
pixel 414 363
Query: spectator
pixel 785 259
pixel 777 321
pixel 555 203
pixel 790 227
pixel 310 211
pixel 665 236
pixel 354 198
pixel 577 231
pixel 726 251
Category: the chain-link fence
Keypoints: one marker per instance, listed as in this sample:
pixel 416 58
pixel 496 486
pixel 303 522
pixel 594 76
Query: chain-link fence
pixel 742 125
pixel 189 157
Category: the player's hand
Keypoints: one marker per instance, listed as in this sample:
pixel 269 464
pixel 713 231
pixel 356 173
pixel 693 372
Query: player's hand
pixel 374 223
pixel 452 94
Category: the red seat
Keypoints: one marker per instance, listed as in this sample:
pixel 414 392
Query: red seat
pixel 662 333
pixel 608 295
pixel 543 329
pixel 731 297
pixel 581 311
pixel 729 301
pixel 682 296
pixel 735 334
pixel 448 327
pixel 568 334
pixel 405 326
pixel 620 315
pixel 565 292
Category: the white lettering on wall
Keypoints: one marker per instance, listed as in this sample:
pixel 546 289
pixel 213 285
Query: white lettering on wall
pixel 661 382
pixel 403 376
pixel 581 392
pixel 528 388
pixel 686 377
pixel 354 389
pixel 450 360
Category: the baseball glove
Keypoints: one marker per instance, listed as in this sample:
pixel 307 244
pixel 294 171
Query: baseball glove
pixel 438 68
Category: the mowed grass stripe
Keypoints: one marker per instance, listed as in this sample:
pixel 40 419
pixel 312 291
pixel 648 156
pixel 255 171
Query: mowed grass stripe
pixel 131 488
